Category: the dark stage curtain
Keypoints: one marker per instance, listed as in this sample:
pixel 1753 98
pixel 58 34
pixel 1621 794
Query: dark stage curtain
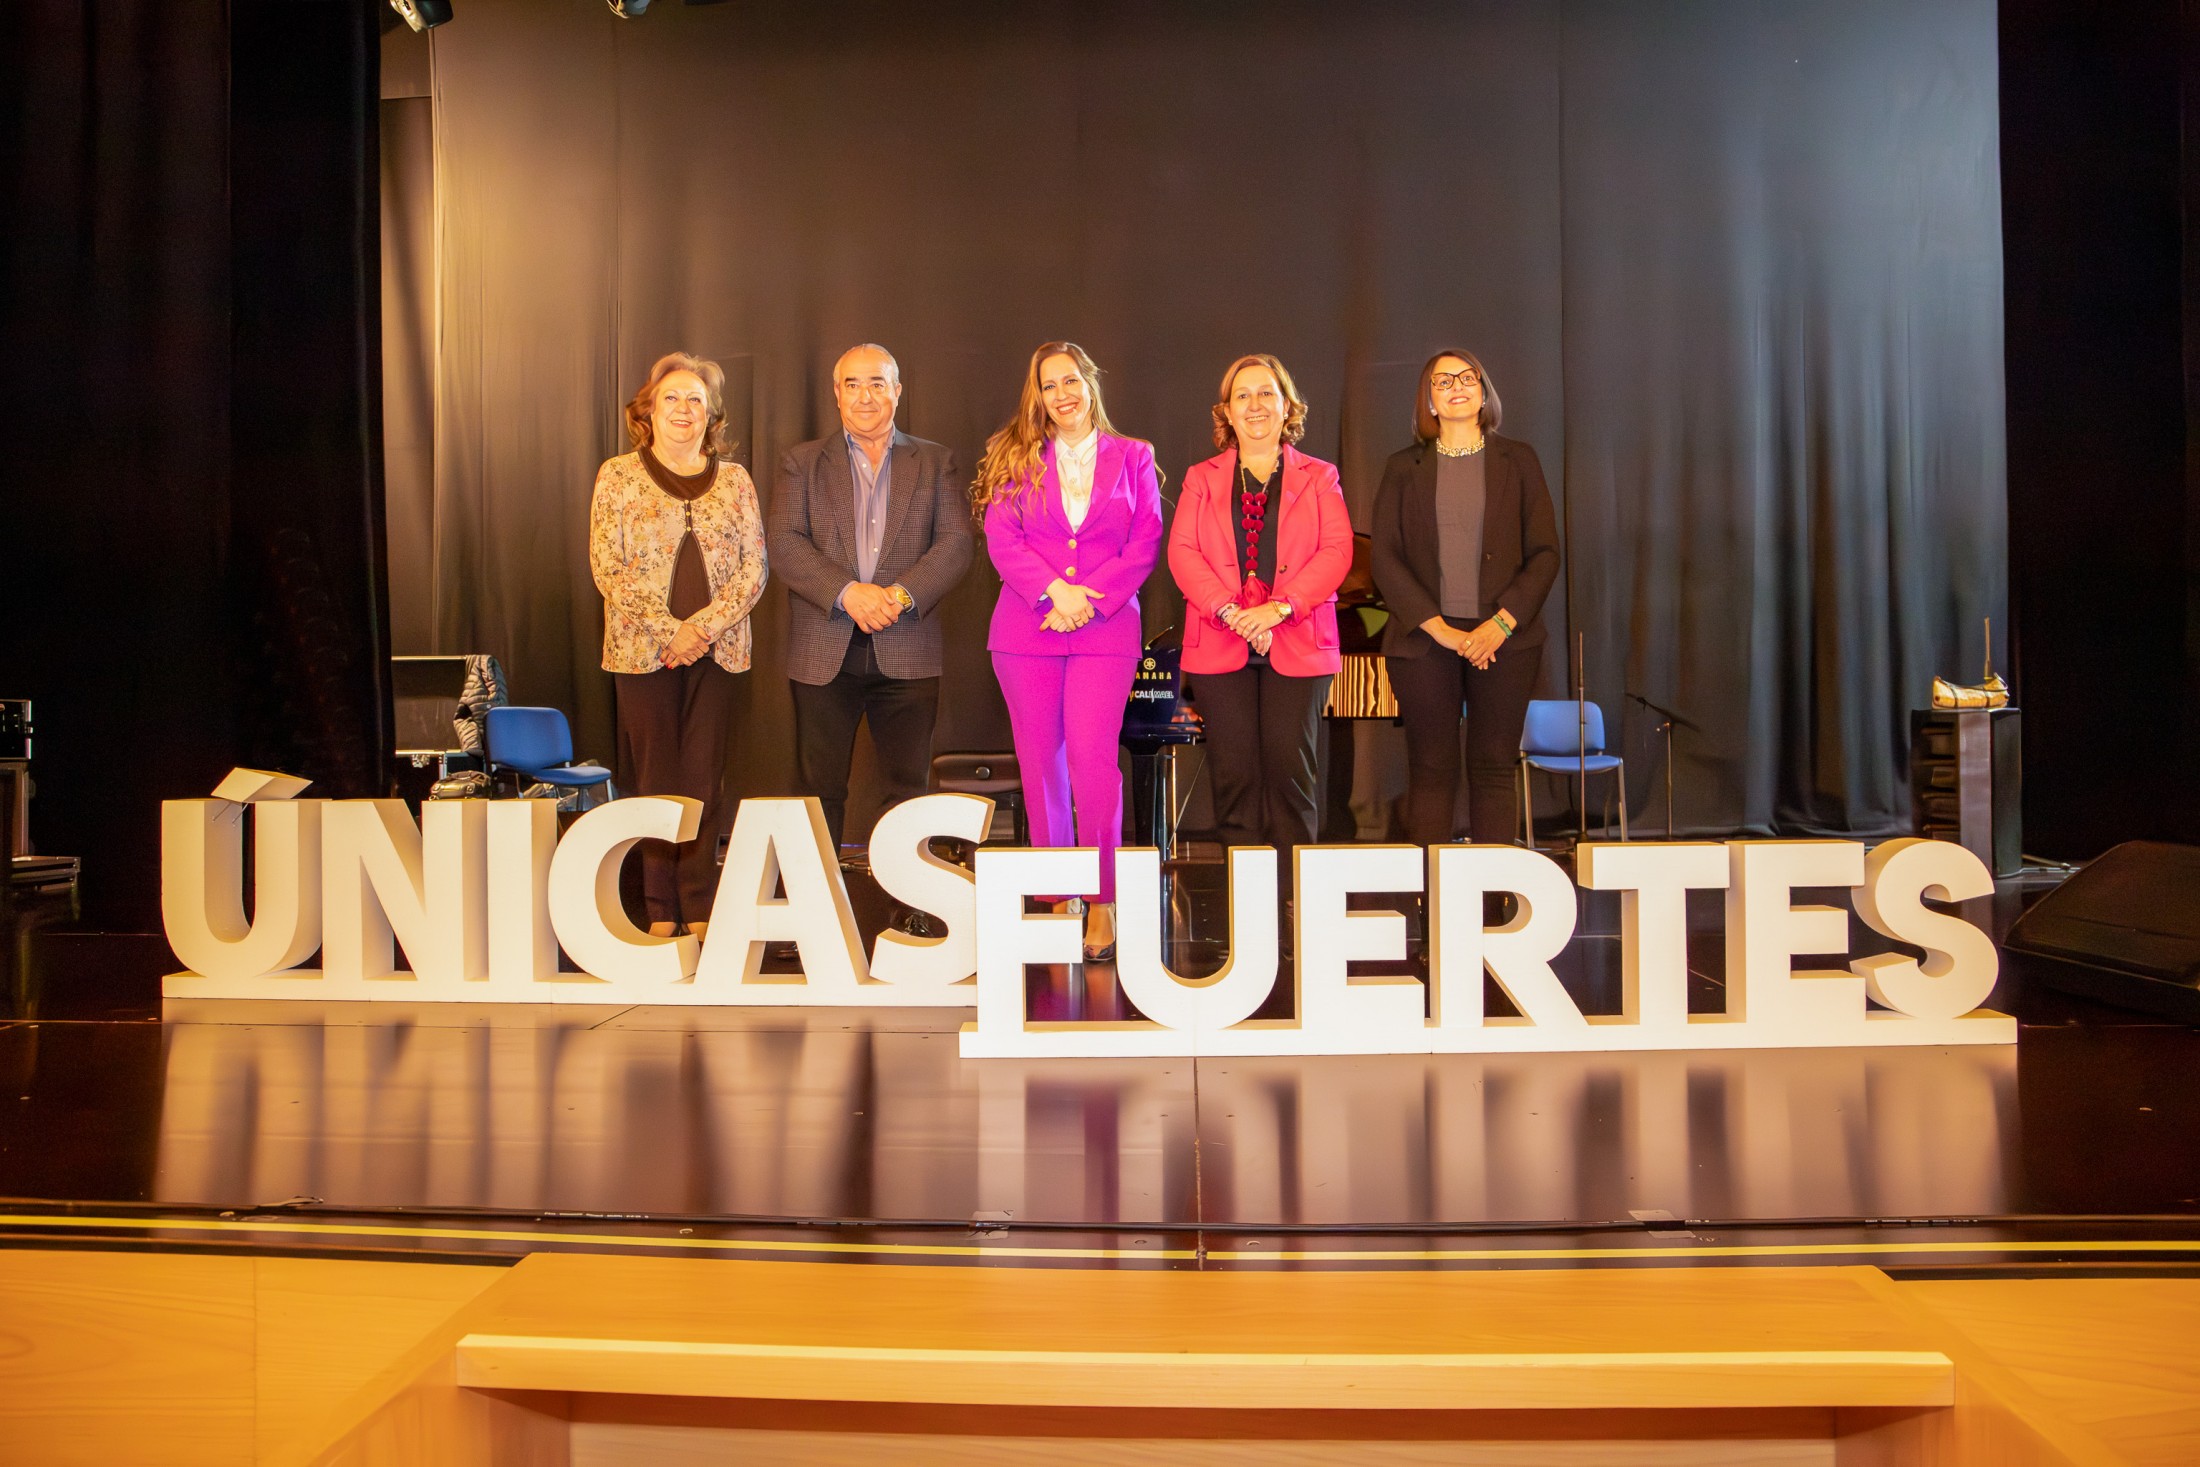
pixel 1783 408
pixel 1734 266
pixel 2101 166
pixel 193 569
pixel 112 522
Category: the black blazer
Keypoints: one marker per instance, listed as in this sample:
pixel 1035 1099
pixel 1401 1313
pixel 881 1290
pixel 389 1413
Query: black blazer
pixel 1519 544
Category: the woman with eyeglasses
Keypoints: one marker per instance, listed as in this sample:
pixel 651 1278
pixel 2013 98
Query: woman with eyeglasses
pixel 1465 550
pixel 1260 543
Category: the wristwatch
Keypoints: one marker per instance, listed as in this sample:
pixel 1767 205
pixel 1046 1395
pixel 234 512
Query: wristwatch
pixel 901 594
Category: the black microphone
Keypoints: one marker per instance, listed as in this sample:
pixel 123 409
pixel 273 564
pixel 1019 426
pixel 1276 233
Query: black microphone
pixel 1661 710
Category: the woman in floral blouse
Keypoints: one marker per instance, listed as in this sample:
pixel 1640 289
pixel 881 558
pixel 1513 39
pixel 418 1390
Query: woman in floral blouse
pixel 676 542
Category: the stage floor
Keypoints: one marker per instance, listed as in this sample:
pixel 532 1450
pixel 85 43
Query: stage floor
pixel 460 1131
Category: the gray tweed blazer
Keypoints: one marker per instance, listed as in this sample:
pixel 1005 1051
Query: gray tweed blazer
pixel 812 546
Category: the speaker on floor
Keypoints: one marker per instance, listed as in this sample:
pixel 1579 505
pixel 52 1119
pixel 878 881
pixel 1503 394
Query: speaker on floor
pixel 2124 929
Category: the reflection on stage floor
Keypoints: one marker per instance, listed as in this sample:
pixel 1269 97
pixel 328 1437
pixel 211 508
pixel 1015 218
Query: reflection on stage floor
pixel 866 1127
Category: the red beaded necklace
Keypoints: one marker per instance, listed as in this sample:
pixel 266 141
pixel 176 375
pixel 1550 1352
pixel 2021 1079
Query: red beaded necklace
pixel 1253 497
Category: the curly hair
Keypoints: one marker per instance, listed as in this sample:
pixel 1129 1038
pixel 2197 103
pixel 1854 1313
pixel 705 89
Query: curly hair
pixel 640 433
pixel 1294 421
pixel 1010 465
pixel 1425 426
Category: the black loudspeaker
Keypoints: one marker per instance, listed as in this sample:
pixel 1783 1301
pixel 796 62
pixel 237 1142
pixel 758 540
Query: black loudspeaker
pixel 2124 930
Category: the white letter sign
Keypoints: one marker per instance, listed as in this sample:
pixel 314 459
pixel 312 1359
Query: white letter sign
pixel 481 895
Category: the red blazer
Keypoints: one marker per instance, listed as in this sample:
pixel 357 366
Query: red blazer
pixel 1313 554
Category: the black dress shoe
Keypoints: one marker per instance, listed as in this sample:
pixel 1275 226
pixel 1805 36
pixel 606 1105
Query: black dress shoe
pixel 918 924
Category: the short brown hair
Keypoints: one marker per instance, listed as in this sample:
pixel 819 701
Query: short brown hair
pixel 1425 426
pixel 639 431
pixel 1294 422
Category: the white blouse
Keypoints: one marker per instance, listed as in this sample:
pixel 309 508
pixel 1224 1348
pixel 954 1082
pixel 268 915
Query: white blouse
pixel 1073 463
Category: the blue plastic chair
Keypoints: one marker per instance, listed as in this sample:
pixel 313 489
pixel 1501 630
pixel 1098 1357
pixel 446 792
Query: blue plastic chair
pixel 538 743
pixel 1551 740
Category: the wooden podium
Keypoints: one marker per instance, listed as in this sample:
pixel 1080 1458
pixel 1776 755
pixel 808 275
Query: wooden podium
pixel 590 1360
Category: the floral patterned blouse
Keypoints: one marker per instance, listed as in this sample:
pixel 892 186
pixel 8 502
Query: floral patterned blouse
pixel 634 531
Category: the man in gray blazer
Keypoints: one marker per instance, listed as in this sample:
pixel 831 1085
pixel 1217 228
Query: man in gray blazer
pixel 870 529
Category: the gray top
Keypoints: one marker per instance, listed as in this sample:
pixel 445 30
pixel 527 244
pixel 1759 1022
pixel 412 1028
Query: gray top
pixel 1459 501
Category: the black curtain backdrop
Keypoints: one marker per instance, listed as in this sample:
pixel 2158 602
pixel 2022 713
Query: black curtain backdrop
pixel 1735 267
pixel 1782 345
pixel 193 572
pixel 2101 168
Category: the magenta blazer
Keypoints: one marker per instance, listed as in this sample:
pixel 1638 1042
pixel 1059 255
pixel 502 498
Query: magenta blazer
pixel 1112 552
pixel 1313 555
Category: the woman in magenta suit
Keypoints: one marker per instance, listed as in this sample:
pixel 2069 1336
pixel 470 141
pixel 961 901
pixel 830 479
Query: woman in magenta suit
pixel 1260 543
pixel 1073 524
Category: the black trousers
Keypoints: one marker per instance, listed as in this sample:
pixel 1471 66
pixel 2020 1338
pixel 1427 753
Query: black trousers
pixel 674 725
pixel 1261 730
pixel 1430 690
pixel 901 710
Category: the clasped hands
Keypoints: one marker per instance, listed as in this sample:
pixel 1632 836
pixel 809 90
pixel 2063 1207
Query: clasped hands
pixel 1478 646
pixel 1072 606
pixel 688 643
pixel 873 608
pixel 1256 624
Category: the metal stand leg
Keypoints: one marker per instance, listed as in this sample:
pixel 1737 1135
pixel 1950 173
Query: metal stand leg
pixel 1527 803
pixel 1672 827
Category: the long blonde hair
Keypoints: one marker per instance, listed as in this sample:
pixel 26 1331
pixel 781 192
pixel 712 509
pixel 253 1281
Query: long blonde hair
pixel 1010 465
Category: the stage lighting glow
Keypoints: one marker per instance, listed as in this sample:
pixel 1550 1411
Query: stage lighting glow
pixel 422 14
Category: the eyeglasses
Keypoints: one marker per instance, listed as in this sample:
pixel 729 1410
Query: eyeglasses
pixel 1446 381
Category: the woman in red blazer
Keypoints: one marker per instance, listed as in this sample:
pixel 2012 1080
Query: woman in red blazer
pixel 1260 543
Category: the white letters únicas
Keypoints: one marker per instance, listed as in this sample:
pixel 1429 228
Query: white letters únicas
pixel 479 897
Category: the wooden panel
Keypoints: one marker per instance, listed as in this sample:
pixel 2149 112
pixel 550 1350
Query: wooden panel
pixel 2120 1357
pixel 150 1358
pixel 328 1326
pixel 431 1422
pixel 1267 1380
pixel 178 1358
pixel 1611 1311
pixel 1997 1421
pixel 609 1429
pixel 121 1357
pixel 141 1358
pixel 614 1445
pixel 413 1413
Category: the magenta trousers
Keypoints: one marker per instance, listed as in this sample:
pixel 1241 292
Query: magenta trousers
pixel 1067 715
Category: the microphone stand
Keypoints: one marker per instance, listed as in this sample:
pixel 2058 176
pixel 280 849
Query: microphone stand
pixel 1672 830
